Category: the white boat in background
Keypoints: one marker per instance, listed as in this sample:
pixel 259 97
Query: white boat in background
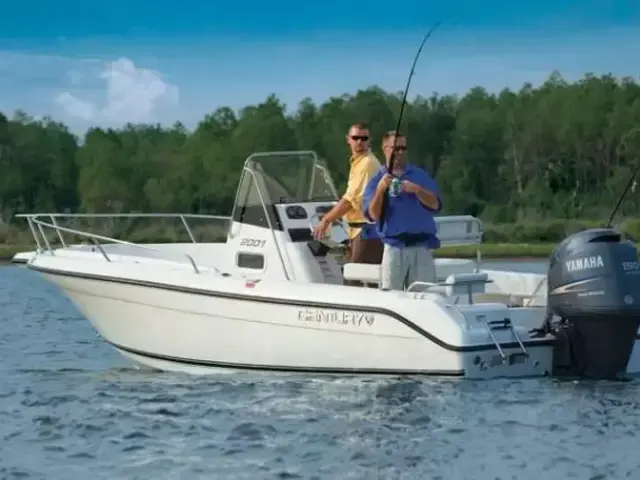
pixel 271 297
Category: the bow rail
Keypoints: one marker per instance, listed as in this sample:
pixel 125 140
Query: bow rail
pixel 38 226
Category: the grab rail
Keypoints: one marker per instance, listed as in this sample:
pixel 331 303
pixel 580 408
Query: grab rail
pixel 182 216
pixel 94 237
pixel 530 298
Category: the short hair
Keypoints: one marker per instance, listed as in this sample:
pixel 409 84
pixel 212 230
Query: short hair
pixel 392 133
pixel 359 126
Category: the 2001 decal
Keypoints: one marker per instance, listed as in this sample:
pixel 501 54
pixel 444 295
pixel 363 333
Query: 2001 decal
pixel 252 242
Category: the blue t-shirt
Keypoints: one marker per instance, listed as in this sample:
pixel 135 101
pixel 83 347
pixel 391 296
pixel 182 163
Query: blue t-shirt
pixel 404 213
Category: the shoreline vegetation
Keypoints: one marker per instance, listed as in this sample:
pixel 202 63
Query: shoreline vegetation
pixel 535 164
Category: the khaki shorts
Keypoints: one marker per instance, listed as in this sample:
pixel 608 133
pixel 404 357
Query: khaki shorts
pixel 401 266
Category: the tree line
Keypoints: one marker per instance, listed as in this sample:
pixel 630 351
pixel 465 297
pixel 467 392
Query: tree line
pixel 530 162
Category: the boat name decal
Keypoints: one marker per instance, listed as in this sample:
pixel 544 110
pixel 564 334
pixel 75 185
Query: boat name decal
pixel 585 263
pixel 252 242
pixel 336 317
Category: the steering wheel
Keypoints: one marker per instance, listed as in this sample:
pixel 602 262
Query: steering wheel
pixel 336 236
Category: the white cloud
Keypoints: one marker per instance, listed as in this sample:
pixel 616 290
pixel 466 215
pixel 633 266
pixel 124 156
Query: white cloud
pixel 76 107
pixel 82 91
pixel 133 94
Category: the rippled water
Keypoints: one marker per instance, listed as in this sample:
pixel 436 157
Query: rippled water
pixel 72 408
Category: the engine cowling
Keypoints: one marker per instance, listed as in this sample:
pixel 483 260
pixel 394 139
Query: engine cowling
pixel 594 287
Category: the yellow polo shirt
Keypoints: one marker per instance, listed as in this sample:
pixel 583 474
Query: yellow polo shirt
pixel 362 169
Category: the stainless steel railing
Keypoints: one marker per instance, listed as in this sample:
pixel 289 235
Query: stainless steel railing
pixel 37 227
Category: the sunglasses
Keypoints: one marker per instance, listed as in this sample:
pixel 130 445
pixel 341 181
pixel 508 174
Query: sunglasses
pixel 400 149
pixel 363 138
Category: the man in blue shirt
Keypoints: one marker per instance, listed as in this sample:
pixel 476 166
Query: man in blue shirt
pixel 408 229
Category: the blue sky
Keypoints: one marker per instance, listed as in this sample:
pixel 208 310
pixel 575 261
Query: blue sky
pixel 140 60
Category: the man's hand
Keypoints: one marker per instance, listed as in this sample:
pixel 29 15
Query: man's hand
pixel 321 228
pixel 424 196
pixel 410 187
pixel 385 181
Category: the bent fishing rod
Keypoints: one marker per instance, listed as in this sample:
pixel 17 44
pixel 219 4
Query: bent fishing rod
pixel 402 105
pixel 632 179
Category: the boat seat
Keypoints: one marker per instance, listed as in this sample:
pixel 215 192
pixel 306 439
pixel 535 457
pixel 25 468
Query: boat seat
pixel 456 285
pixel 364 272
pixel 370 273
pixel 466 283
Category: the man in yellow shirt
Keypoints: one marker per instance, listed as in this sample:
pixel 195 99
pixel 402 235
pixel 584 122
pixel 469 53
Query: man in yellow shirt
pixel 364 244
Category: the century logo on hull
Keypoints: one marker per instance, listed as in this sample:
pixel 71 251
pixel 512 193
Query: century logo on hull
pixel 585 263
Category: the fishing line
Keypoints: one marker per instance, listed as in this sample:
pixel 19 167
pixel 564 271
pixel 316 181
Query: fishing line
pixel 402 105
pixel 632 179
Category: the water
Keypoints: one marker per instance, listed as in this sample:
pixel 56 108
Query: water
pixel 72 408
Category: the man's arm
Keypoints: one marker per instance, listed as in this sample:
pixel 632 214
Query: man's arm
pixel 352 197
pixel 337 211
pixel 375 208
pixel 374 195
pixel 369 194
pixel 429 199
pixel 349 201
pixel 428 192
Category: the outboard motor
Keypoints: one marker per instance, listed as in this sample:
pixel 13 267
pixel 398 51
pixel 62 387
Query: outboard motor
pixel 594 287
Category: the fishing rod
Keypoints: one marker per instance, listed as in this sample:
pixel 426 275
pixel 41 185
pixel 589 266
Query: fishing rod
pixel 632 179
pixel 402 105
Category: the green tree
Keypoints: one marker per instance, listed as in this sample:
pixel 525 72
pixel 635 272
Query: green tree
pixel 561 150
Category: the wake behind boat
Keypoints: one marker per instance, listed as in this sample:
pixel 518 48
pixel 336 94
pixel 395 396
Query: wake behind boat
pixel 271 297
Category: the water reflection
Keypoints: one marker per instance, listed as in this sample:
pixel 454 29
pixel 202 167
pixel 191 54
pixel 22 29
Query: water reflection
pixel 71 407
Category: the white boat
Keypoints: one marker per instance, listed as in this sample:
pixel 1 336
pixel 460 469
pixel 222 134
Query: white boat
pixel 271 297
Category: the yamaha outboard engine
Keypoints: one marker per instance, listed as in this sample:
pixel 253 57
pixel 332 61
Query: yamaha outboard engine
pixel 594 287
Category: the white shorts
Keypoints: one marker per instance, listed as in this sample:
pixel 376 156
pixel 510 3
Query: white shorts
pixel 401 266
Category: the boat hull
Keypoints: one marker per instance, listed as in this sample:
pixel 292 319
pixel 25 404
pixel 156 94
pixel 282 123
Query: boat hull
pixel 196 333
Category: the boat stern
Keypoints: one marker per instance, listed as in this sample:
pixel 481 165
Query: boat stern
pixel 496 344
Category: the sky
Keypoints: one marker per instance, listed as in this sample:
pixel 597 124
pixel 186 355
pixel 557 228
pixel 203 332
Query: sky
pixel 164 61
